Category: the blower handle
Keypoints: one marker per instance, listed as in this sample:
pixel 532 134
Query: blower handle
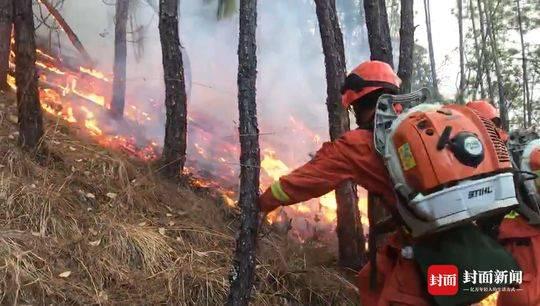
pixel 445 137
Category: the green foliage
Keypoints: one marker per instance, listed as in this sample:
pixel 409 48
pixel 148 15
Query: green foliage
pixel 506 29
pixel 421 76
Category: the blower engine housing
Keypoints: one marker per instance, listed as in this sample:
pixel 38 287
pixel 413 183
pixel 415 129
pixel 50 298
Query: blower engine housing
pixel 525 148
pixel 447 163
pixel 530 161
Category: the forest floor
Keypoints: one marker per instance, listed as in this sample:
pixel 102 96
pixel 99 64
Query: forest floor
pixel 92 226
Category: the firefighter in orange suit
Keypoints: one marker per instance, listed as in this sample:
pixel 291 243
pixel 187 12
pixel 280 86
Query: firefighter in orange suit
pixel 354 157
pixel 520 238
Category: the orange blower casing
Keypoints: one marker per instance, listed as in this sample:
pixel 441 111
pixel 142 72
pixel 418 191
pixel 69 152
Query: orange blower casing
pixel 432 169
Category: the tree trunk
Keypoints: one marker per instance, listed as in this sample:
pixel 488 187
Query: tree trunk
pixel 385 30
pixel 406 45
pixel 531 99
pixel 69 32
pixel 527 110
pixel 495 50
pixel 120 55
pixel 479 55
pixel 174 148
pixel 378 31
pixel 29 107
pixel 349 228
pixel 461 90
pixel 244 262
pixel 6 25
pixel 435 82
pixel 486 64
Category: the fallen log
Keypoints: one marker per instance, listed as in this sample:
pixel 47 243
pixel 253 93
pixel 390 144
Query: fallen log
pixel 67 29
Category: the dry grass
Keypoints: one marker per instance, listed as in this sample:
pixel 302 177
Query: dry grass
pixel 127 237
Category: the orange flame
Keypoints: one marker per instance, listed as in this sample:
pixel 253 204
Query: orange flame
pixel 274 167
pixel 40 53
pixel 11 82
pixel 95 73
pixel 90 121
pixel 50 68
pixel 491 300
pixel 63 87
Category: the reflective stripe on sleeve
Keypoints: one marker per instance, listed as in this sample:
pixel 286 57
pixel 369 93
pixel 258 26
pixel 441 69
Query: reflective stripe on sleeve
pixel 278 192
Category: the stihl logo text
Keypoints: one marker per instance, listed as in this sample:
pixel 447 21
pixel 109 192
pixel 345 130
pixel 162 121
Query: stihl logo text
pixel 479 192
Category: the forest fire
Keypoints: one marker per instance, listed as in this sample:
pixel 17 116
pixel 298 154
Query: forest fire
pixel 313 219
pixel 81 96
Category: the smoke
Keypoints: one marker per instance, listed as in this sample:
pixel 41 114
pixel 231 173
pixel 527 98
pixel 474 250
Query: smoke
pixel 291 86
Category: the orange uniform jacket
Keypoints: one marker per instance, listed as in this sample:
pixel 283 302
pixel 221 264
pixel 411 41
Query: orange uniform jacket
pixel 352 156
pixel 522 240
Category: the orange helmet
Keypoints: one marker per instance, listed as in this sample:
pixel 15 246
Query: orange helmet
pixel 366 78
pixel 485 109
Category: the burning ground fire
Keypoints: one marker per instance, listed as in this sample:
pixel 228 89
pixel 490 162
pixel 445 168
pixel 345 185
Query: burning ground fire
pixel 80 96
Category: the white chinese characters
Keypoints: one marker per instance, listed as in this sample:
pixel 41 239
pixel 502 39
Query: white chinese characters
pixel 443 280
pixel 491 277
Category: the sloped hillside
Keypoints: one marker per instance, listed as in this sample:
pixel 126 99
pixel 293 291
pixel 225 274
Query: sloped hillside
pixel 90 226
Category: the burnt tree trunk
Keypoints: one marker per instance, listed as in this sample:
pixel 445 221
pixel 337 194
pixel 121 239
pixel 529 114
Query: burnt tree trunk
pixel 527 109
pixel 244 262
pixel 120 55
pixel 6 25
pixel 174 148
pixel 479 55
pixel 435 82
pixel 349 228
pixel 406 45
pixel 380 44
pixel 495 50
pixel 485 57
pixel 461 90
pixel 29 108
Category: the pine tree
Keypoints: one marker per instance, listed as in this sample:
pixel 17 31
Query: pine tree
pixel 406 45
pixel 120 58
pixel 461 89
pixel 527 111
pixel 434 80
pixel 349 228
pixel 250 161
pixel 6 25
pixel 494 48
pixel 28 104
pixel 174 148
pixel 380 44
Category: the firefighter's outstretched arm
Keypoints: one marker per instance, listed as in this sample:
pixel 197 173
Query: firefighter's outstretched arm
pixel 350 157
